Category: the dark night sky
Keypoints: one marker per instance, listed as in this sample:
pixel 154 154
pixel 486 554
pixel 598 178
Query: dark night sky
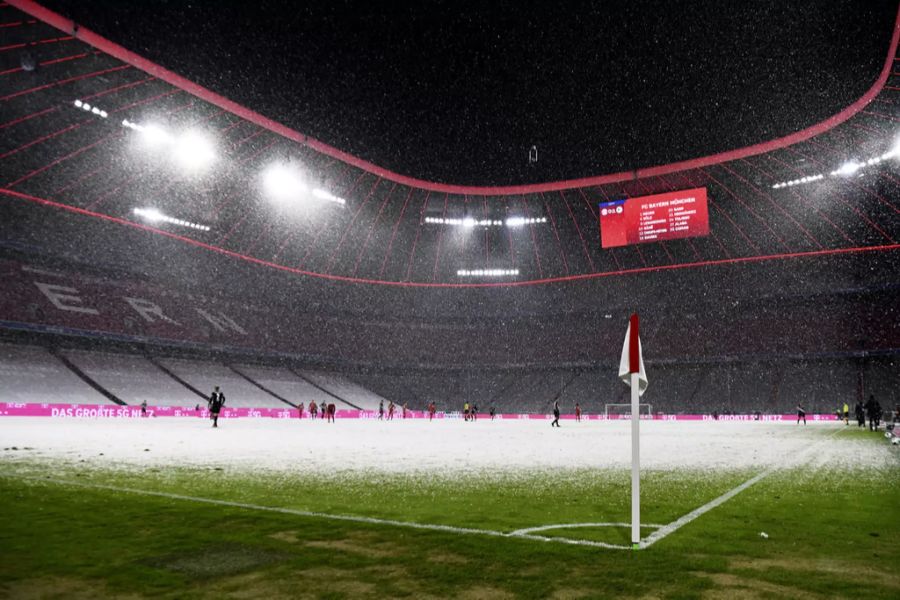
pixel 459 92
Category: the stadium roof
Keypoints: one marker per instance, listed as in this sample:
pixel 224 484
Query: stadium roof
pixel 96 132
pixel 459 92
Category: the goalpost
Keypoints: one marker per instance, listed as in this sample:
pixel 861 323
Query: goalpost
pixel 623 411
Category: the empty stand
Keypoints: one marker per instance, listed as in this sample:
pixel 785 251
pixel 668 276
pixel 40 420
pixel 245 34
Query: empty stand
pixel 133 378
pixel 288 385
pixel 344 388
pixel 205 375
pixel 32 374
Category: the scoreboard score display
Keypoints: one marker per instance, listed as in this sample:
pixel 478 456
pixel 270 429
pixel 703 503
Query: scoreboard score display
pixel 655 218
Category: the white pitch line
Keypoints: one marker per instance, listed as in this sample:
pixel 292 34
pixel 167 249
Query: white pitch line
pixel 524 534
pixel 319 515
pixel 684 520
pixel 577 525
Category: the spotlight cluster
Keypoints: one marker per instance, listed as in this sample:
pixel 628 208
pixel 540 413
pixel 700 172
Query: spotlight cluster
pixel 467 222
pixel 521 221
pixel 470 222
pixel 284 182
pixel 794 182
pixel 191 148
pixel 91 109
pixel 851 167
pixel 155 216
pixel 487 272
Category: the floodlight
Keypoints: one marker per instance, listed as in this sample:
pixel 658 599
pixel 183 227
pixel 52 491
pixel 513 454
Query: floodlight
pixel 155 135
pixel 848 168
pixel 194 151
pixel 151 214
pixel 283 182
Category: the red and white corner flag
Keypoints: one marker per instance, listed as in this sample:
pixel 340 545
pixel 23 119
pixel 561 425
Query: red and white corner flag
pixel 632 357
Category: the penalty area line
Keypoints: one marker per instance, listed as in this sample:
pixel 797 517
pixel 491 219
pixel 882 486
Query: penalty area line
pixel 518 534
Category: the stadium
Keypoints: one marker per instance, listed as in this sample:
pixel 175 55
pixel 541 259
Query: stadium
pixel 393 344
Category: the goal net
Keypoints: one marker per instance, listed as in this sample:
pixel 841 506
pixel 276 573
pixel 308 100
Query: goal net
pixel 623 411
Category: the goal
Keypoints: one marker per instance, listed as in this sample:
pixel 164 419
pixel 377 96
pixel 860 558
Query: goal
pixel 623 411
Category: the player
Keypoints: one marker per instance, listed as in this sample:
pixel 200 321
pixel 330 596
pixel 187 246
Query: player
pixel 431 409
pixel 870 411
pixel 331 410
pixel 860 412
pixel 555 422
pixel 493 412
pixel 878 415
pixel 473 412
pixel 846 414
pixel 801 414
pixel 300 411
pixel 381 410
pixel 577 412
pixel 404 409
pixel 144 408
pixel 466 411
pixel 390 410
pixel 216 402
pixel 313 410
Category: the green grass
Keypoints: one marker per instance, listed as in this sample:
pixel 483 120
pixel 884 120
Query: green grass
pixel 832 533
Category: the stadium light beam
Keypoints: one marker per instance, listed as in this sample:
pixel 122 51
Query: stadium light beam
pixel 326 195
pixel 194 151
pixel 155 216
pixel 282 182
pixel 487 272
pixel 469 222
pixel 848 168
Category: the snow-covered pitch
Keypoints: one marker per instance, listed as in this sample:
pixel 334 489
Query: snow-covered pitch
pixel 441 446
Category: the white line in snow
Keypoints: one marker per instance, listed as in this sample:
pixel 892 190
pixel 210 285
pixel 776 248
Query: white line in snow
pixel 684 520
pixel 577 525
pixel 305 513
pixel 527 533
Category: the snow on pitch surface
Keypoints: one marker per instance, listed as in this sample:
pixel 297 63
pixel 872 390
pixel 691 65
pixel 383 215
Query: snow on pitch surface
pixel 444 446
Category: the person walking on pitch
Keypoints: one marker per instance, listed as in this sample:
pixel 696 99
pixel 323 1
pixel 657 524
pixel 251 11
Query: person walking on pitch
pixel 555 422
pixel 870 411
pixel 216 402
pixel 801 414
pixel 860 411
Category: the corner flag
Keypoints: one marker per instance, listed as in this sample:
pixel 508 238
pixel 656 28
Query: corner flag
pixel 633 357
pixel 631 371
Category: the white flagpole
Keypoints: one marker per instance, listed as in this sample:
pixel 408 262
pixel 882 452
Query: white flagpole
pixel 635 462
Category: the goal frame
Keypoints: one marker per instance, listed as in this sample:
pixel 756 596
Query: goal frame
pixel 627 415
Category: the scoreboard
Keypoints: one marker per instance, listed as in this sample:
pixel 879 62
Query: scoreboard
pixel 655 218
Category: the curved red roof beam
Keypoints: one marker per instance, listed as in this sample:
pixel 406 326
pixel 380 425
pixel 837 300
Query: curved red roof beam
pixel 892 247
pixel 89 37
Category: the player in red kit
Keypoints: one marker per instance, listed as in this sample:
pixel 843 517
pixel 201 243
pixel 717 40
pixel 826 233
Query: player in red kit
pixel 391 410
pixel 431 409
pixel 577 412
pixel 313 410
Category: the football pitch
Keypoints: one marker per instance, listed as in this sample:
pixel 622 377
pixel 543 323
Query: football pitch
pixel 268 508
